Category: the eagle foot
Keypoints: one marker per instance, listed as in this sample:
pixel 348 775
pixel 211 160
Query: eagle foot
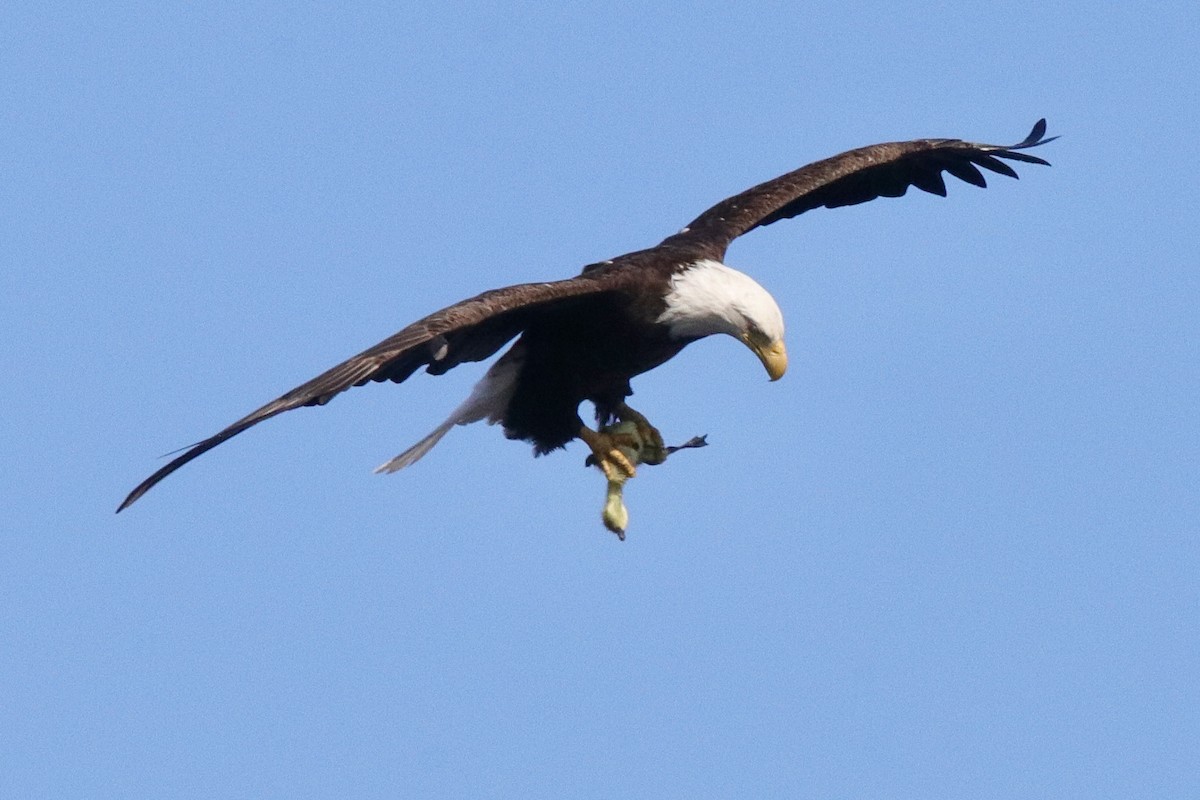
pixel 615 451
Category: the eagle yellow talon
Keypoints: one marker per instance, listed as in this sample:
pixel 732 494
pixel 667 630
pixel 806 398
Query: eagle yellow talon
pixel 609 452
pixel 620 463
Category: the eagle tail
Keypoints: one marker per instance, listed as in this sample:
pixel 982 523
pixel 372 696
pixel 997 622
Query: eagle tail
pixel 414 454
pixel 488 400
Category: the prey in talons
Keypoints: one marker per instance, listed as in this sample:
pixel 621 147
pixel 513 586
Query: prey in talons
pixel 610 443
pixel 617 449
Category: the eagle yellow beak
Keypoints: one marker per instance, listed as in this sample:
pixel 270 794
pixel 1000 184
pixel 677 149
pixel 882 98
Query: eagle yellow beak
pixel 773 356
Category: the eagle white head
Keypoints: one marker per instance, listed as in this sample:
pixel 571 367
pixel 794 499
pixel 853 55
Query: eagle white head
pixel 708 297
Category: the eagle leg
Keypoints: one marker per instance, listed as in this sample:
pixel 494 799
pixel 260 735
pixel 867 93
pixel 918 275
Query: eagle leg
pixel 654 450
pixel 606 451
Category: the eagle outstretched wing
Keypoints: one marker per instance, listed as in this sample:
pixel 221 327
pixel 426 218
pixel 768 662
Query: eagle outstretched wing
pixel 471 330
pixel 856 176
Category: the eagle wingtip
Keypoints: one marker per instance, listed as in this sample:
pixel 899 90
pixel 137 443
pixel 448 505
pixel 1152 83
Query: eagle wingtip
pixel 1036 137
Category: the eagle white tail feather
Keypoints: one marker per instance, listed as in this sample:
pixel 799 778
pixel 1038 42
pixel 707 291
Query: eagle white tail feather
pixel 488 400
pixel 414 454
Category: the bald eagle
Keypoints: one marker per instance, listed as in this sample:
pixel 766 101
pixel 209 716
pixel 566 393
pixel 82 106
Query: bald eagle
pixel 586 337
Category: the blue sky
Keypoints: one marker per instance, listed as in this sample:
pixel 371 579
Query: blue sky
pixel 952 554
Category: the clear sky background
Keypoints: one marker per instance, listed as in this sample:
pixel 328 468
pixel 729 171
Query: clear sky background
pixel 954 553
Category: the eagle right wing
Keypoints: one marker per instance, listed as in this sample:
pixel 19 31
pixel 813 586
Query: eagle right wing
pixel 470 330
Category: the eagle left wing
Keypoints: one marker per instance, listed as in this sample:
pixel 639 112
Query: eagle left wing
pixel 856 176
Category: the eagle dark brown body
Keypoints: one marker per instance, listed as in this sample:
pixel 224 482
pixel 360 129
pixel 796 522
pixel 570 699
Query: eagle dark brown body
pixel 584 351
